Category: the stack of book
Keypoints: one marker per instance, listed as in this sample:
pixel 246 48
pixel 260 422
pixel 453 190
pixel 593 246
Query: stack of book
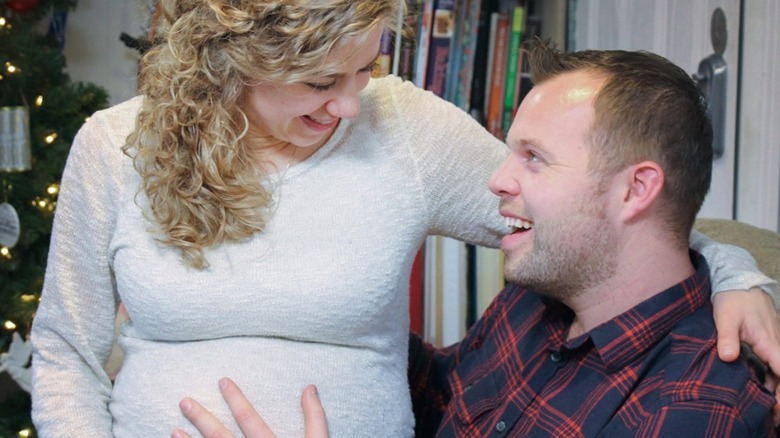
pixel 469 53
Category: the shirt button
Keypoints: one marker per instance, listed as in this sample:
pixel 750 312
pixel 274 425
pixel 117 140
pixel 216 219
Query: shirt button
pixel 555 356
pixel 500 426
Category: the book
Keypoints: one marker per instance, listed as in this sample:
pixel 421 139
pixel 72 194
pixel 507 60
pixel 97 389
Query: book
pixel 513 67
pixel 463 71
pixel 442 31
pixel 423 42
pixel 445 290
pixel 531 30
pixel 406 42
pixel 489 277
pixel 481 55
pixel 454 64
pixel 417 294
pixel 384 60
pixel 497 78
pixel 491 46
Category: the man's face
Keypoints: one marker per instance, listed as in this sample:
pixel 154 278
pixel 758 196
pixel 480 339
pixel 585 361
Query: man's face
pixel 561 237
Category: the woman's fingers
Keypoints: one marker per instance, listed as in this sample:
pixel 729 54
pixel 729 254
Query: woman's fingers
pixel 315 423
pixel 202 419
pixel 250 422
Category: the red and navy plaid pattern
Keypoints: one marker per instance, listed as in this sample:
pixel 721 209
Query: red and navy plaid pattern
pixel 651 372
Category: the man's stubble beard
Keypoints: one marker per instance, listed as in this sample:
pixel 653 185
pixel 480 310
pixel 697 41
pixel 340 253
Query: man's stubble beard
pixel 569 254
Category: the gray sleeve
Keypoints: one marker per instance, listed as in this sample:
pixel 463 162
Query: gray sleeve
pixel 731 267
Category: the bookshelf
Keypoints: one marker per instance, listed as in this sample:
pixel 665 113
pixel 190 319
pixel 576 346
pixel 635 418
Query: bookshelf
pixel 467 52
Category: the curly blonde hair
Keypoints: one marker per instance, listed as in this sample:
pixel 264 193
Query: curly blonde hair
pixel 187 145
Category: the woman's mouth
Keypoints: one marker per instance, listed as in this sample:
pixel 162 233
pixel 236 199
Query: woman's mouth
pixel 320 125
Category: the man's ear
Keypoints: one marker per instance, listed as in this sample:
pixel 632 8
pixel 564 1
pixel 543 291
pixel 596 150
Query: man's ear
pixel 643 184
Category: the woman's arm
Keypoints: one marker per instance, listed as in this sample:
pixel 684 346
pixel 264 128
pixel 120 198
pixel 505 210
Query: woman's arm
pixel 72 332
pixel 744 305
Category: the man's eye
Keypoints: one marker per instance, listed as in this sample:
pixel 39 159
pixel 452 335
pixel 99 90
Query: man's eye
pixel 320 87
pixel 530 156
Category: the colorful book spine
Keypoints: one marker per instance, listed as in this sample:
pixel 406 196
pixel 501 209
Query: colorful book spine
pixel 384 60
pixel 491 46
pixel 406 42
pixel 442 33
pixel 454 65
pixel 417 294
pixel 513 67
pixel 481 61
pixel 494 116
pixel 464 75
pixel 423 43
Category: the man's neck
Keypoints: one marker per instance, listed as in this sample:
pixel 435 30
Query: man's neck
pixel 640 275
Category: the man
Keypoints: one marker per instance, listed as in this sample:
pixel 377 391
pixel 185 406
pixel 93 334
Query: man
pixel 610 162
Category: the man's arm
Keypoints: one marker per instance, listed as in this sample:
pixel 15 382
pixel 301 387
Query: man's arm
pixel 427 373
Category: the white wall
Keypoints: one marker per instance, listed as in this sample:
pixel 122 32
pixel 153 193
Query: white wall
pixel 93 50
pixel 758 183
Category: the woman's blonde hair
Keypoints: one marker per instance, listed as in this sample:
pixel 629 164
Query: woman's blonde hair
pixel 202 186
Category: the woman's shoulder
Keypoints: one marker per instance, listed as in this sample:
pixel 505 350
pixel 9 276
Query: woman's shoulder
pixel 397 89
pixel 105 132
pixel 385 83
pixel 120 115
pixel 391 96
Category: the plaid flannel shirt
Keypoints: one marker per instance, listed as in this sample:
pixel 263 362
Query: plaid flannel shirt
pixel 653 371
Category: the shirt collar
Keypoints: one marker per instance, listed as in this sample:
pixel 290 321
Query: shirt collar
pixel 621 339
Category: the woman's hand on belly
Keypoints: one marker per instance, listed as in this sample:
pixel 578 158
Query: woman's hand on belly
pixel 248 419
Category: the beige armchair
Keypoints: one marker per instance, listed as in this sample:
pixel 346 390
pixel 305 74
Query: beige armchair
pixel 763 244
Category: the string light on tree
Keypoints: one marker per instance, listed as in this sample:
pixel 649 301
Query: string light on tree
pixel 49 139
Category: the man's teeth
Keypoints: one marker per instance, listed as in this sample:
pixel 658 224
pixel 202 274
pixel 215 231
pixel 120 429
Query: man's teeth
pixel 517 223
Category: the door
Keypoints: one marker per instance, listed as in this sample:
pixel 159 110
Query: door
pixel 680 31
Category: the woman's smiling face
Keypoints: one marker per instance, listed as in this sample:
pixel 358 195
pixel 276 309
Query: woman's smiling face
pixel 306 114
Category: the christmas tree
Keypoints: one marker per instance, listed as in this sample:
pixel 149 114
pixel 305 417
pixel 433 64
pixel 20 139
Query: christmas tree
pixel 42 109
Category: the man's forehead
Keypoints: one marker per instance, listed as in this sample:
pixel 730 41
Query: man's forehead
pixel 579 94
pixel 575 87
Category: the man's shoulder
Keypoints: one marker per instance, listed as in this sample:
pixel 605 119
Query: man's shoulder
pixel 690 369
pixel 685 384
